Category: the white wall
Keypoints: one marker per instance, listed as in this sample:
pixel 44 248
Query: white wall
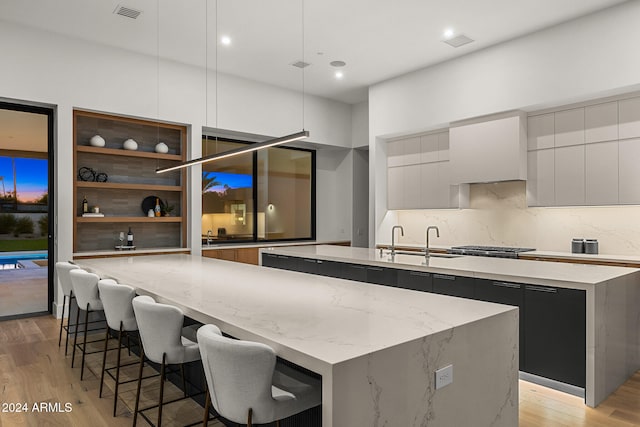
pixel 360 125
pixel 67 73
pixel 585 58
pixel 334 192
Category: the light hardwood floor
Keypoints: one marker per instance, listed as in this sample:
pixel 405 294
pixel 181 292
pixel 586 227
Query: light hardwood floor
pixel 33 369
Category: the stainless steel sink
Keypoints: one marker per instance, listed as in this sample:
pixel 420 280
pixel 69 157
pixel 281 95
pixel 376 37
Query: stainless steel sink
pixel 421 254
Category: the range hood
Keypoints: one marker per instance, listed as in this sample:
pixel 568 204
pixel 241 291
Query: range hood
pixel 490 149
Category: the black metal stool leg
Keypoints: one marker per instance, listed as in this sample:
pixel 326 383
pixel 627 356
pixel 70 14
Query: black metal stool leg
pixel 115 397
pixel 75 337
pixel 64 302
pixel 135 413
pixel 184 382
pixel 162 375
pixel 207 403
pixel 84 345
pixel 66 341
pixel 104 360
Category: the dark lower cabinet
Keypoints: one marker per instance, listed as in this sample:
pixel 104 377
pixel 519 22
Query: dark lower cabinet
pixel 504 293
pixel 455 286
pixel 555 333
pixel 415 280
pixel 355 272
pixel 382 275
pixel 552 320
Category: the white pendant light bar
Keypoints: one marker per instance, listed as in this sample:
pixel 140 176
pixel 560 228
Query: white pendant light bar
pixel 242 150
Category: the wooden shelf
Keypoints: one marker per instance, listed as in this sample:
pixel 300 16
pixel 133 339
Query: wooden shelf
pixel 128 153
pixel 127 186
pixel 131 219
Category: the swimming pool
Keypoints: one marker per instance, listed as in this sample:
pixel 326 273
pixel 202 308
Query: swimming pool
pixel 11 260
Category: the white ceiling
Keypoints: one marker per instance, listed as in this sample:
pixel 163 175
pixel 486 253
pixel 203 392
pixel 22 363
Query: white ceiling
pixel 378 39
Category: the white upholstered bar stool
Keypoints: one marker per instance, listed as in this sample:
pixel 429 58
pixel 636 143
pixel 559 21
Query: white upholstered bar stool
pixel 85 289
pixel 246 386
pixel 62 270
pixel 118 310
pixel 164 341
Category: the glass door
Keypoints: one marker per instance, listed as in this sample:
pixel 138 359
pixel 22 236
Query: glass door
pixel 26 249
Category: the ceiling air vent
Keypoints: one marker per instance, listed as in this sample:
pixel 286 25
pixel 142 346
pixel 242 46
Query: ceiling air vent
pixel 301 64
pixel 459 40
pixel 127 12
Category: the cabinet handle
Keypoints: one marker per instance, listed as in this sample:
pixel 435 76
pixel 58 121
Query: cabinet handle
pixel 419 273
pixel 374 268
pixel 310 260
pixel 282 256
pixel 445 277
pixel 541 289
pixel 507 285
pixel 359 267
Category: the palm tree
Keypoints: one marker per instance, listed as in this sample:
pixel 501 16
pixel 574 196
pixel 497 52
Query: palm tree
pixel 209 181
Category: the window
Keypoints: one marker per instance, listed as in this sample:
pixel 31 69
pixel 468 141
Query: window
pixel 267 195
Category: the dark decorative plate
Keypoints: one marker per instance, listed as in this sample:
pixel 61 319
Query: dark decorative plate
pixel 149 202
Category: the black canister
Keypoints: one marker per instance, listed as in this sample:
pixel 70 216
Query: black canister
pixel 577 246
pixel 591 246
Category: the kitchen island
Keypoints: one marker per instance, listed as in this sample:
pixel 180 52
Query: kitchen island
pixel 377 348
pixel 588 312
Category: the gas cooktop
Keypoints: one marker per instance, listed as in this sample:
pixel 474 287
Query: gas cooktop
pixel 492 251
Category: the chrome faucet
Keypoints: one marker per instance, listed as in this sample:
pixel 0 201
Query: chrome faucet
pixel 209 237
pixel 393 234
pixel 426 248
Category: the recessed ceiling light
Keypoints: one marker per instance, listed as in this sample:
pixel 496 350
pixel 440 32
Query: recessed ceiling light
pixel 447 33
pixel 339 75
pixel 337 63
pixel 225 40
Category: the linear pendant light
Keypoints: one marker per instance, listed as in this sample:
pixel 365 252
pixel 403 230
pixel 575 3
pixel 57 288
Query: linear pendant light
pixel 242 150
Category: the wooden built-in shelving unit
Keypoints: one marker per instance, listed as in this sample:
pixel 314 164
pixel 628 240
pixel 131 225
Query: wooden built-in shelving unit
pixel 131 177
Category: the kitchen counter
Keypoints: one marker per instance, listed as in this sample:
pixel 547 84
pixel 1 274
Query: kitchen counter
pixel 612 295
pixel 573 276
pixel 377 348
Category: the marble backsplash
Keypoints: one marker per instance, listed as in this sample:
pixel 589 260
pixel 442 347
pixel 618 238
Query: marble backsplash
pixel 498 215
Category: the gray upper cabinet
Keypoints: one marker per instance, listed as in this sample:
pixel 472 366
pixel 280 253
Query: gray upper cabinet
pixel 541 132
pixel 590 158
pixel 418 173
pixel 569 127
pixel 601 173
pixel 601 122
pixel 541 178
pixel 569 176
pixel 629 118
pixel 629 172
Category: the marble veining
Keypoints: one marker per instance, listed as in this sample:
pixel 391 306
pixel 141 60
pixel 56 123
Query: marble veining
pixel 376 347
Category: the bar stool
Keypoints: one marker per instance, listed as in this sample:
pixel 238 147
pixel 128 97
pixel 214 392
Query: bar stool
pixel 164 341
pixel 246 386
pixel 63 269
pixel 116 300
pixel 85 288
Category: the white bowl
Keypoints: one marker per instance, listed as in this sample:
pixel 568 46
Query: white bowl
pixel 130 144
pixel 162 148
pixel 97 141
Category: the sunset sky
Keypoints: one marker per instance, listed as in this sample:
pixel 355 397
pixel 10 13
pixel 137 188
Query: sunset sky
pixel 31 177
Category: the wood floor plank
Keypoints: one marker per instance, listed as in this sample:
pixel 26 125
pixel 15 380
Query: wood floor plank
pixel 33 369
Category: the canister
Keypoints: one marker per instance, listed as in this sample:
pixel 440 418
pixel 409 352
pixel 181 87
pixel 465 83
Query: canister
pixel 577 246
pixel 591 246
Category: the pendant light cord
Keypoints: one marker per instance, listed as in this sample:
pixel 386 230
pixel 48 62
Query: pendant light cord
pixel 303 61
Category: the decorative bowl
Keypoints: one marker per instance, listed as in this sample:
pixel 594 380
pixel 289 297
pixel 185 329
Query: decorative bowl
pixel 130 144
pixel 162 148
pixel 97 141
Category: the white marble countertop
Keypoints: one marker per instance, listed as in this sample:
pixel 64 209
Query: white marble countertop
pixel 590 257
pixel 137 251
pixel 576 276
pixel 542 254
pixel 311 320
pixel 269 244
